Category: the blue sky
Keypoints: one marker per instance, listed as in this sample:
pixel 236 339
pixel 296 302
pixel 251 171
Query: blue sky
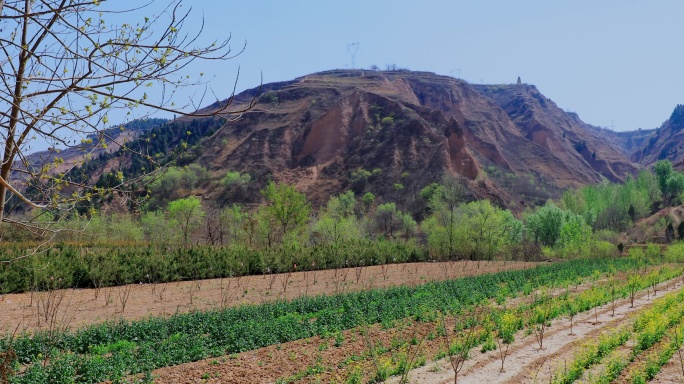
pixel 615 63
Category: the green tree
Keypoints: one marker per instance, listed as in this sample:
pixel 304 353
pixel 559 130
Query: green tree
pixel 575 234
pixel 675 188
pixel 114 227
pixel 287 207
pixel 236 179
pixel 155 228
pixel 390 221
pixel 444 201
pixel 343 205
pixel 337 223
pixel 187 214
pixel 663 170
pixel 359 179
pixel 174 183
pixel 367 200
pixel 544 225
pixel 430 193
pixel 487 228
pixel 387 218
pixel 409 225
pixel 233 219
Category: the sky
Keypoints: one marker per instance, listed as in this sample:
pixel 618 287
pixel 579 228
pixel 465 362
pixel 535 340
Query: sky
pixel 618 64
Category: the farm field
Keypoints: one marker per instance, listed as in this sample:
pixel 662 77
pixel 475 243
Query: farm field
pixel 525 363
pixel 179 206
pixel 372 335
pixel 73 308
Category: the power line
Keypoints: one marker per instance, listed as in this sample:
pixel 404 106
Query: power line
pixel 353 48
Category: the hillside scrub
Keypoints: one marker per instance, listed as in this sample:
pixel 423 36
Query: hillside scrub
pixel 583 223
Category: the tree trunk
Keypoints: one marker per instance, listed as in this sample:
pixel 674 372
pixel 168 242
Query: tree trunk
pixel 3 192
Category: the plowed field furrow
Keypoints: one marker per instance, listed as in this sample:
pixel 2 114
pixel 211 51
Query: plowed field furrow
pixel 322 360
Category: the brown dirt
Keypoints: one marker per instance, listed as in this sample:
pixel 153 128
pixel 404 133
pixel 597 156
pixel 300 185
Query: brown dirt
pixel 672 371
pixel 79 307
pixel 266 365
pixel 328 121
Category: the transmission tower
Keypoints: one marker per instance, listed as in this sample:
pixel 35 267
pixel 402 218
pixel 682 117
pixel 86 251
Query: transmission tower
pixel 353 48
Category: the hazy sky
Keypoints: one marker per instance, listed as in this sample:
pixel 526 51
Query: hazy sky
pixel 616 63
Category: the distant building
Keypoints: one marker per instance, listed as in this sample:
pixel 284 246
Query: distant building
pixel 519 82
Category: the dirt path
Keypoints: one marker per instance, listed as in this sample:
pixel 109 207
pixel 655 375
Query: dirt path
pixel 79 307
pixel 525 362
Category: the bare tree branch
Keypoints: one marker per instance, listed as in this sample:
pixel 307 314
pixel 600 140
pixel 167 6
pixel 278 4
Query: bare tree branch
pixel 64 69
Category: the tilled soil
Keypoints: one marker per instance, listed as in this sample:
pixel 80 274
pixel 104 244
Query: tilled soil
pixel 673 371
pixel 525 362
pixel 318 360
pixel 72 308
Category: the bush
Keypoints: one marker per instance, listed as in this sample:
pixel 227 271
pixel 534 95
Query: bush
pixel 675 252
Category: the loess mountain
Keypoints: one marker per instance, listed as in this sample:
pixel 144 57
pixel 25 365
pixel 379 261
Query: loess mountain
pixel 508 142
pixel 394 132
pixel 664 143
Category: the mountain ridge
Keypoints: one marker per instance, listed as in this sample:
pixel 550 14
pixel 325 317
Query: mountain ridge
pixel 507 142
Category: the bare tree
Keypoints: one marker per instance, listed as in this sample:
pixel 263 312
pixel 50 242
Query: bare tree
pixel 64 71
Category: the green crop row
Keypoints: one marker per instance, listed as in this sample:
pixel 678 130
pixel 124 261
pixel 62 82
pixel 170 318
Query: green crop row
pixel 158 342
pixel 648 328
pixel 655 342
pixel 504 323
pixel 657 357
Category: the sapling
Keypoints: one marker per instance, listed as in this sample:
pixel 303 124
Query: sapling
pixel 225 292
pixel 613 296
pixel 458 349
pixel 445 270
pixel 49 302
pixel 540 316
pixel 286 280
pixel 124 292
pixel 633 283
pixel 272 279
pixel 596 315
pixel 358 270
pixel 8 358
pixel 380 372
pixel 654 280
pixel 507 325
pixel 571 307
pixel 412 352
pixel 384 268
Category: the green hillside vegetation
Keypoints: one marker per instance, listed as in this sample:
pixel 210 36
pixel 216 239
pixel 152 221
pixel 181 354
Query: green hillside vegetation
pixel 179 238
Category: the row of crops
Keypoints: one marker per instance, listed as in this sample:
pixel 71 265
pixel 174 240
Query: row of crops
pixel 492 327
pixel 653 337
pixel 113 351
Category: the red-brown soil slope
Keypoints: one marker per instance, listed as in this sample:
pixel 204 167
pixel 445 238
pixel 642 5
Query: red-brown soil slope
pixel 411 127
pixel 666 142
pixel 578 146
